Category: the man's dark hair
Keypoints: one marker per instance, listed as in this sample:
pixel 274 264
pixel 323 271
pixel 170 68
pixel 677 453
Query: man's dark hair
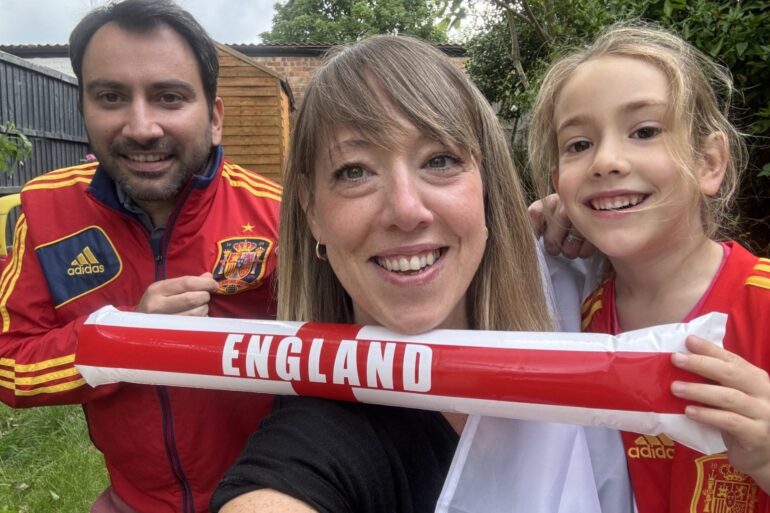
pixel 145 15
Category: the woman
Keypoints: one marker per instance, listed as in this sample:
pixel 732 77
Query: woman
pixel 401 208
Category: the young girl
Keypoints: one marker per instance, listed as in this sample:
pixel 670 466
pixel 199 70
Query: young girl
pixel 644 160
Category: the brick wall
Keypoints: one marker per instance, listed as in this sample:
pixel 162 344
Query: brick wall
pixel 297 70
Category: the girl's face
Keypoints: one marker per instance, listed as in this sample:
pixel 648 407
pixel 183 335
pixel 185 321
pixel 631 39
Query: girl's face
pixel 616 177
pixel 404 228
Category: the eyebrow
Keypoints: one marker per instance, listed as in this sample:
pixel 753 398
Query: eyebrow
pixel 626 108
pixel 156 86
pixel 103 84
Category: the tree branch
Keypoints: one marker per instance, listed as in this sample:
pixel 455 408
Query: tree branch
pixel 515 51
pixel 538 28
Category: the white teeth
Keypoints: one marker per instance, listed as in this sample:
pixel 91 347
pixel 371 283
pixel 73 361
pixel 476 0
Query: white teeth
pixel 413 263
pixel 617 202
pixel 146 158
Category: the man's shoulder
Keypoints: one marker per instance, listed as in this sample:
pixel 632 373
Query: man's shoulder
pixel 249 182
pixel 68 180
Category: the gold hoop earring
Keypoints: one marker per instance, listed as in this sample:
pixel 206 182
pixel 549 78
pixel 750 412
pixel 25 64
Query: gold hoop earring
pixel 318 254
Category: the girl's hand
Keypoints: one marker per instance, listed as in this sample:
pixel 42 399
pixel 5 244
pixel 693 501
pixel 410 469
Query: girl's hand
pixel 738 404
pixel 550 221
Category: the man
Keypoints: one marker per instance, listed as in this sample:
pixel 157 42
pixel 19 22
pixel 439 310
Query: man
pixel 161 225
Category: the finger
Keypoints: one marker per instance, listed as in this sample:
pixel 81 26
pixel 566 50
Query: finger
pixel 554 234
pixel 749 432
pixel 182 284
pixel 723 398
pixel 537 217
pixel 717 364
pixel 199 311
pixel 175 304
pixel 587 250
pixel 572 244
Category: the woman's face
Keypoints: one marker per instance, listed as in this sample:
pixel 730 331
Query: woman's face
pixel 404 228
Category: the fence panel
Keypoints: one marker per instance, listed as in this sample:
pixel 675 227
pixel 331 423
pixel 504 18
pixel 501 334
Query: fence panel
pixel 43 105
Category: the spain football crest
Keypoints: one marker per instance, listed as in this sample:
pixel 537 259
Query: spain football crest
pixel 722 489
pixel 241 263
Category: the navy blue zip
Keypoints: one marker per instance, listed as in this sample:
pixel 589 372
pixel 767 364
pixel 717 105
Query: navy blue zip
pixel 159 249
pixel 172 453
pixel 103 192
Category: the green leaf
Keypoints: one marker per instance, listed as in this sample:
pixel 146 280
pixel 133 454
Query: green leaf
pixel 740 48
pixel 765 173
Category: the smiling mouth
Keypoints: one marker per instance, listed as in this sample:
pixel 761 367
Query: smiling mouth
pixel 412 264
pixel 147 157
pixel 617 202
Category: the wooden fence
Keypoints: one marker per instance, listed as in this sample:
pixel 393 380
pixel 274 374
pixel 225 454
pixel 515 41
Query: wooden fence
pixel 43 105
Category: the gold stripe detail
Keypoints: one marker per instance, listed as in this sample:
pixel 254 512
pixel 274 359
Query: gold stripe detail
pixel 251 179
pixel 762 267
pixel 84 170
pixel 12 271
pixel 254 192
pixel 595 295
pixel 63 387
pixel 44 378
pixel 57 185
pixel 38 366
pixel 234 169
pixel 596 306
pixel 758 281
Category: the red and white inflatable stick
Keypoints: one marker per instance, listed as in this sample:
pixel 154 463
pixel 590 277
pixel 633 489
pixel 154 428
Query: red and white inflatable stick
pixel 581 378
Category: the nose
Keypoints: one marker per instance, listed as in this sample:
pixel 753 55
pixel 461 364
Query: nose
pixel 404 205
pixel 609 159
pixel 141 124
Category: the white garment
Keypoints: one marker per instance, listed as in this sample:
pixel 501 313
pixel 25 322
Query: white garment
pixel 514 466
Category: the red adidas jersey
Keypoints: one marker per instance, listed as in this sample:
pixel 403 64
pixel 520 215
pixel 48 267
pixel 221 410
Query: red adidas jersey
pixel 667 476
pixel 77 248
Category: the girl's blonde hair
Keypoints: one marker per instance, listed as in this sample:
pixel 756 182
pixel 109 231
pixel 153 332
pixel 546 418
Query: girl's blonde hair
pixel 358 87
pixel 701 98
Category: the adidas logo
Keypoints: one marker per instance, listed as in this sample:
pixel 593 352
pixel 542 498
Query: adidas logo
pixel 85 263
pixel 651 447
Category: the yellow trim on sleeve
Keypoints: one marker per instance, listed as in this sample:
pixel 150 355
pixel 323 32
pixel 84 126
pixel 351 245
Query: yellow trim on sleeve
pixel 12 271
pixel 57 185
pixel 38 366
pixel 758 281
pixel 762 267
pixel 54 389
pixel 234 169
pixel 252 183
pixel 44 378
pixel 249 188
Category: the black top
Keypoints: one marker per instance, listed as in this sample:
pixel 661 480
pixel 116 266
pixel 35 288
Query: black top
pixel 345 457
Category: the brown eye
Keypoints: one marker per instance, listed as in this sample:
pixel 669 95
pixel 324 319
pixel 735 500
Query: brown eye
pixel 646 132
pixel 109 97
pixel 578 146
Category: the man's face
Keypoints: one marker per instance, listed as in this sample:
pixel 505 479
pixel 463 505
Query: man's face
pixel 145 112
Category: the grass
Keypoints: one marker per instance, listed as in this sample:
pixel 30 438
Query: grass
pixel 47 461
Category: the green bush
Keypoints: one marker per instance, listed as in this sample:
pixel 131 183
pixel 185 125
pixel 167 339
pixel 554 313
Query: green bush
pixel 735 34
